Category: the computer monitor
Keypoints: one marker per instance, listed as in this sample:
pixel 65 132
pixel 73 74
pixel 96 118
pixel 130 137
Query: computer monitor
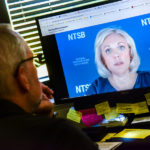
pixel 68 39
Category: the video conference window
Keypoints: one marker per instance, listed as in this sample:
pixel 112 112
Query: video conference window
pixel 106 57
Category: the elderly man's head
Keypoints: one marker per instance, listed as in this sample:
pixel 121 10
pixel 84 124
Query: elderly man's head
pixel 16 78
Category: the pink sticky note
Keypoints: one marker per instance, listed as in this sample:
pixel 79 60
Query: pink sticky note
pixel 90 117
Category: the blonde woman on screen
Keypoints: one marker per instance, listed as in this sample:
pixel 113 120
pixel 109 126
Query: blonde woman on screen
pixel 117 63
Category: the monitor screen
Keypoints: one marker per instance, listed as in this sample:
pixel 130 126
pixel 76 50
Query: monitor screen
pixel 97 49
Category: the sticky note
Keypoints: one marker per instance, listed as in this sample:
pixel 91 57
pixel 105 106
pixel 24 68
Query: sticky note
pixel 147 96
pixel 74 115
pixel 133 133
pixel 90 117
pixel 125 108
pixel 102 108
pixel 112 114
pixel 137 108
pixel 107 136
pixel 141 107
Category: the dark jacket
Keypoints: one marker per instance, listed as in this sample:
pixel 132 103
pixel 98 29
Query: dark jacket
pixel 20 130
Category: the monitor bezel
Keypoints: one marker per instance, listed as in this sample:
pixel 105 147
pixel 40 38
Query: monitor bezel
pixel 55 71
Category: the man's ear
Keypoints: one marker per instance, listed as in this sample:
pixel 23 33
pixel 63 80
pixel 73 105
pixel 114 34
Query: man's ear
pixel 23 79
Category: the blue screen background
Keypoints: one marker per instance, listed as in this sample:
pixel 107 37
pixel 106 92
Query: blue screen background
pixel 77 55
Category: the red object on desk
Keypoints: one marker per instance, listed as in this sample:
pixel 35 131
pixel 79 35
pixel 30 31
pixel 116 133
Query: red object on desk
pixel 90 117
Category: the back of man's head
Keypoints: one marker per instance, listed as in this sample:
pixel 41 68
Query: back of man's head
pixel 12 51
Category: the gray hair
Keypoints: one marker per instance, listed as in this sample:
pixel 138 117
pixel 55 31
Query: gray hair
pixel 12 51
pixel 101 36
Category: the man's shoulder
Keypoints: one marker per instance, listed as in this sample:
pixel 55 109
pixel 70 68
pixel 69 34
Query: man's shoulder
pixel 39 123
pixel 30 127
pixel 57 133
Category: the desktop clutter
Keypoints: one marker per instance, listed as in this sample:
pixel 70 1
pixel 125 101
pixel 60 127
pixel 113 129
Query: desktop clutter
pixel 125 126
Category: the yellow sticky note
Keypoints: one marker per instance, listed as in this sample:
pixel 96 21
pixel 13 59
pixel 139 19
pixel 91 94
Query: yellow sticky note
pixel 141 107
pixel 112 114
pixel 74 115
pixel 133 133
pixel 107 136
pixel 147 96
pixel 125 108
pixel 102 108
